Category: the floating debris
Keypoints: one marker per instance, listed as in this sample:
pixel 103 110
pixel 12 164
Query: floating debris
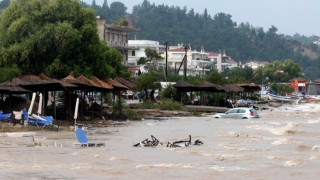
pixel 148 143
pixel 155 142
pixel 184 143
pixel 180 143
pixel 198 142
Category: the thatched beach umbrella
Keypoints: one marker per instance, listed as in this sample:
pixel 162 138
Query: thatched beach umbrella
pixel 233 88
pixel 117 85
pixel 62 83
pixel 184 86
pixel 12 88
pixel 208 86
pixel 89 83
pixel 103 84
pixel 126 82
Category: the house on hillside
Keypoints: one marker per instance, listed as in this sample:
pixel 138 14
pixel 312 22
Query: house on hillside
pixel 255 64
pixel 116 36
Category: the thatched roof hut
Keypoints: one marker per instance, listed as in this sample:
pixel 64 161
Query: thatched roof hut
pixel 250 87
pixel 233 88
pixel 184 86
pixel 208 86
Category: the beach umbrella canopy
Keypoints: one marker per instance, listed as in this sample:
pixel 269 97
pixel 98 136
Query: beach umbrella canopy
pixel 76 111
pixel 40 104
pixel 32 102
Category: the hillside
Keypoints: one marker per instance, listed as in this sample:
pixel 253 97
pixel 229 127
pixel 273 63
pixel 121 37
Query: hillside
pixel 243 42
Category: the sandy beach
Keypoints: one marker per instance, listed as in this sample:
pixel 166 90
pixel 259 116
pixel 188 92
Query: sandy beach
pixel 283 144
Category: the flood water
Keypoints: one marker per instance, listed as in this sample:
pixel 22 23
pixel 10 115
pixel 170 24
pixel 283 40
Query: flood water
pixel 283 144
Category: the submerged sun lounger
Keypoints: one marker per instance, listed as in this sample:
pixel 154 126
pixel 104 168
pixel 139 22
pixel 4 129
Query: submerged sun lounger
pixel 83 141
pixel 41 121
pixel 4 117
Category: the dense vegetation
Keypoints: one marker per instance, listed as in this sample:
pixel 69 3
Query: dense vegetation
pixel 55 37
pixel 302 38
pixel 243 42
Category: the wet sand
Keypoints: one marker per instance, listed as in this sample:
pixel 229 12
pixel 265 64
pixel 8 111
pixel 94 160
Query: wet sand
pixel 283 144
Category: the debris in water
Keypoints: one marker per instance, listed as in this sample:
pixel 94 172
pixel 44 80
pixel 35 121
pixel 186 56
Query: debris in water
pixel 148 143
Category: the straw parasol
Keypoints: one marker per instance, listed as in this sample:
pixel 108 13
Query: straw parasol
pixel 35 83
pixel 208 86
pixel 11 88
pixel 126 82
pixel 62 83
pixel 233 88
pixel 116 84
pixel 184 86
pixel 89 83
pixel 250 87
pixel 105 85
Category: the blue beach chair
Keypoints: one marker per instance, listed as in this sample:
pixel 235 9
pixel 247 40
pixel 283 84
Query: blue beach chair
pixel 83 141
pixel 5 117
pixel 41 121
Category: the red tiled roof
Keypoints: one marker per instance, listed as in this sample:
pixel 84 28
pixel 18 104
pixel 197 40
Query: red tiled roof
pixel 212 53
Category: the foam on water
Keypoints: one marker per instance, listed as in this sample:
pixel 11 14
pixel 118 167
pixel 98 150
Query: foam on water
pixel 288 129
pixel 282 141
pixel 164 165
pixel 316 148
pixel 293 163
pixel 223 168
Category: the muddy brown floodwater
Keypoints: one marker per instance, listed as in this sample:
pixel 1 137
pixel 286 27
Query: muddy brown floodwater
pixel 283 144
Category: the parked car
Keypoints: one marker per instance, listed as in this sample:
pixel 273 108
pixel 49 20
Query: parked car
pixel 240 113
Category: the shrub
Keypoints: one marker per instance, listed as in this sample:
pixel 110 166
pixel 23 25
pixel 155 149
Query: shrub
pixel 147 104
pixel 168 104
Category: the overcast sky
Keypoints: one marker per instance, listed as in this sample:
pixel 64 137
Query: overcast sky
pixel 289 16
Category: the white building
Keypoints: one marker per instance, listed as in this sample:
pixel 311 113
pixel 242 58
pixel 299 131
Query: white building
pixel 198 63
pixel 141 46
pixel 255 64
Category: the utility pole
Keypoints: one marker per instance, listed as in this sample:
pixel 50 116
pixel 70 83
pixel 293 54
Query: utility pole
pixel 166 60
pixel 185 63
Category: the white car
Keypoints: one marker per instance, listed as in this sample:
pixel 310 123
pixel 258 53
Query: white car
pixel 240 113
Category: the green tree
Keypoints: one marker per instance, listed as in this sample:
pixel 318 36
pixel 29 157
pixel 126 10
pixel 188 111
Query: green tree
pixel 216 77
pixel 55 36
pixel 151 61
pixel 149 80
pixel 118 11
